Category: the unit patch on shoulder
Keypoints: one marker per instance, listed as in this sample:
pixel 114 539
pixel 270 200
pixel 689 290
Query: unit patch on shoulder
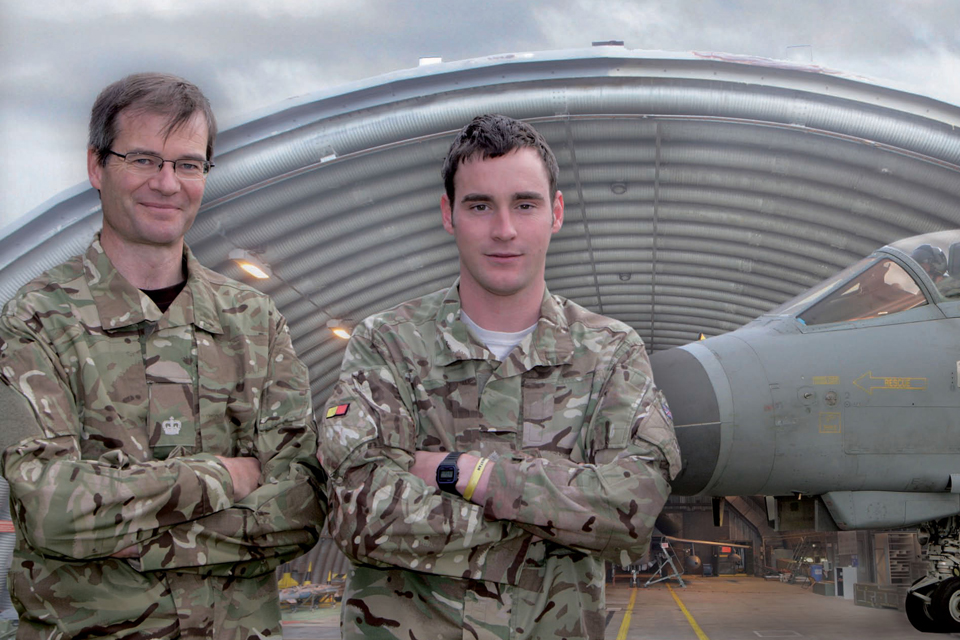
pixel 665 408
pixel 338 410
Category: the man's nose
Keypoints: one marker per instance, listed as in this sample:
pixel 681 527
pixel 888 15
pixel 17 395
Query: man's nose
pixel 166 180
pixel 503 226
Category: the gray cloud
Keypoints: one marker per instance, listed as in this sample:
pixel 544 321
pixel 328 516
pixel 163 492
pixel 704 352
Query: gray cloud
pixel 55 55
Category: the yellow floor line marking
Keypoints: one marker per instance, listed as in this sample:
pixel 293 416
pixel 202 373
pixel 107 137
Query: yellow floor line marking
pixel 625 625
pixel 693 623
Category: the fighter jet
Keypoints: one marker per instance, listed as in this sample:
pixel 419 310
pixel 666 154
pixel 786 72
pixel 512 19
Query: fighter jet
pixel 848 392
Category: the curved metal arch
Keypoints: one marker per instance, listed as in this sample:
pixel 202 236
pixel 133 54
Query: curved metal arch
pixel 701 189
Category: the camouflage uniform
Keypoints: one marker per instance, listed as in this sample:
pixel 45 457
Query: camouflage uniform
pixel 584 448
pixel 131 406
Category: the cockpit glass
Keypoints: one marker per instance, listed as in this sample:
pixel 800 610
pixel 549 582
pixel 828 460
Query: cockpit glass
pixel 882 289
pixel 802 301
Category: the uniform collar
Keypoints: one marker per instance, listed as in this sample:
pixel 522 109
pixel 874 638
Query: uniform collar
pixel 550 344
pixel 120 304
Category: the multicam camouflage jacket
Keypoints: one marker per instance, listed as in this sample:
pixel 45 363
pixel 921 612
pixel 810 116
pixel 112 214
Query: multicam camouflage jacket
pixel 130 407
pixel 583 447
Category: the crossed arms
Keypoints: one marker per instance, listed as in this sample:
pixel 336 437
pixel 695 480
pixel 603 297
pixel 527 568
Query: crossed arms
pixel 205 513
pixel 386 511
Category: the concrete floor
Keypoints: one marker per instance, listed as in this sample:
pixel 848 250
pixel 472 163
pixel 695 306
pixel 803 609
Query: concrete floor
pixel 715 608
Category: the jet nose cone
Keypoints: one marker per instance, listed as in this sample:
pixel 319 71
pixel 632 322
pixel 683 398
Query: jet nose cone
pixel 696 416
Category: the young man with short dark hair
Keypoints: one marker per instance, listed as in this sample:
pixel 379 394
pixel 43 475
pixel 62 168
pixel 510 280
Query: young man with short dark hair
pixel 492 444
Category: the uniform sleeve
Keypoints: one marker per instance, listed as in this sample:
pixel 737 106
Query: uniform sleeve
pixel 279 520
pixel 380 514
pixel 71 508
pixel 608 505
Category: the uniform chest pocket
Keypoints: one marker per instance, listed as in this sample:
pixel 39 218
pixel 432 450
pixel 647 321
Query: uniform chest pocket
pixel 554 407
pixel 232 373
pixel 485 415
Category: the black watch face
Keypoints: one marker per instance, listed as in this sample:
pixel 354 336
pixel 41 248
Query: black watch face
pixel 446 475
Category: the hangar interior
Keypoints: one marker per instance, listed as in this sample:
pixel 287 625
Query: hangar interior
pixel 701 191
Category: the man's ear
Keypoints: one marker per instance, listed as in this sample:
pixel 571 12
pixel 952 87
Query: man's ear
pixel 557 211
pixel 447 212
pixel 94 168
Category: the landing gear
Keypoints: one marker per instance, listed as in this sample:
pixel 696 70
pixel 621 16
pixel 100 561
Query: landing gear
pixel 946 605
pixel 919 609
pixel 933 602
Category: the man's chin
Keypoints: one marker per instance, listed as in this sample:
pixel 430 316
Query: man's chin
pixel 165 234
pixel 153 239
pixel 503 289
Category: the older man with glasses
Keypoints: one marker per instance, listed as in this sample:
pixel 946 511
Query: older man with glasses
pixel 157 430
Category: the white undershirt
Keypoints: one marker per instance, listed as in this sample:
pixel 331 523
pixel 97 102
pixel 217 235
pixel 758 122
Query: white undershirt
pixel 500 343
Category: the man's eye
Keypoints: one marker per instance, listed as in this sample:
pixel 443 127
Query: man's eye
pixel 143 161
pixel 189 166
pixel 480 207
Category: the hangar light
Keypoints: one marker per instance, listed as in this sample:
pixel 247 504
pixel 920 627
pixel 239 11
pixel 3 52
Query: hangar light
pixel 250 263
pixel 339 328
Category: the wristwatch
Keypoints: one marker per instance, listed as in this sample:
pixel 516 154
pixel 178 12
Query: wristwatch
pixel 448 473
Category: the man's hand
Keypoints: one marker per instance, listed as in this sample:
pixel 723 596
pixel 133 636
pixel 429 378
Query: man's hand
pixel 244 473
pixel 425 465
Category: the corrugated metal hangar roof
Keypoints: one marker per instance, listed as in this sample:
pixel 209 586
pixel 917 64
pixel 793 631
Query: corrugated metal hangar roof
pixel 701 189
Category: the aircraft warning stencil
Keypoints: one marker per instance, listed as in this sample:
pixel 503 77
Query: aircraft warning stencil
pixel 870 383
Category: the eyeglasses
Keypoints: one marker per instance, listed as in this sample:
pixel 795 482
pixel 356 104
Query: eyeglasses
pixel 148 164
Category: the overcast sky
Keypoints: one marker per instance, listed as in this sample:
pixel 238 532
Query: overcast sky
pixel 247 55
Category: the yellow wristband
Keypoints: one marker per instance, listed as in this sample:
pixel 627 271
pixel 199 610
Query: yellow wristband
pixel 474 479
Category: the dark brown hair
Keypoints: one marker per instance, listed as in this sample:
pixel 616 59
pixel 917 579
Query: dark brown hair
pixel 492 136
pixel 158 93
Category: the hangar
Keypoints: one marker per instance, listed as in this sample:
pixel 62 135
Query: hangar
pixel 702 189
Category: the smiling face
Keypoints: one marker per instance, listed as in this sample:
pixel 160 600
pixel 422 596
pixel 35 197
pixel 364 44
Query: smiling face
pixel 154 210
pixel 502 218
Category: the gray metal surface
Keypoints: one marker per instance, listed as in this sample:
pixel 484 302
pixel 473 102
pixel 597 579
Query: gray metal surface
pixel 862 403
pixel 701 189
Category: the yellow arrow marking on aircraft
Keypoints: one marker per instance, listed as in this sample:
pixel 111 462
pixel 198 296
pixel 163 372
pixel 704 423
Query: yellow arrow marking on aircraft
pixel 890 382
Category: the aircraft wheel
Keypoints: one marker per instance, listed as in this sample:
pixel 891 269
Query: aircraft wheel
pixel 945 605
pixel 919 615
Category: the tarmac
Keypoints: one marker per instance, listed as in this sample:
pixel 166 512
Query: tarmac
pixel 707 608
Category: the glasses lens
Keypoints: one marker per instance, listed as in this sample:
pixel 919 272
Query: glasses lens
pixel 143 162
pixel 190 169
